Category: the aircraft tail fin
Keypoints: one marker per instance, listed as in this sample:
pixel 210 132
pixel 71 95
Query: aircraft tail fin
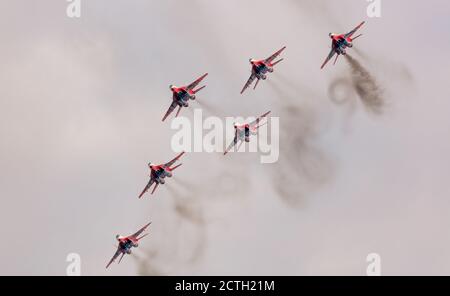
pixel 357 37
pixel 123 254
pixel 178 111
pixel 198 89
pixel 280 60
pixel 154 188
pixel 177 166
pixel 337 56
pixel 256 84
pixel 142 237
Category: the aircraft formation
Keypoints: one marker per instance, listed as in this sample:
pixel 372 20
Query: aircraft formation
pixel 180 98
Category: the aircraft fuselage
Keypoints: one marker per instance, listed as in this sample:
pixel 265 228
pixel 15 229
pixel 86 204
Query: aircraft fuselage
pixel 260 69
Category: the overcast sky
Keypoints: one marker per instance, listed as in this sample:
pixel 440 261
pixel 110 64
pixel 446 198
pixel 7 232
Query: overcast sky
pixel 81 102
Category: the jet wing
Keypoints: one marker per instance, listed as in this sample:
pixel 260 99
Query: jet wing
pixel 170 163
pixel 171 108
pixel 147 187
pixel 350 34
pixel 196 82
pixel 248 83
pixel 232 144
pixel 329 57
pixel 114 257
pixel 135 235
pixel 257 120
pixel 274 56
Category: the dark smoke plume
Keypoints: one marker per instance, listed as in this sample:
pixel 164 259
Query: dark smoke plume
pixel 301 161
pixel 146 267
pixel 366 86
pixel 188 214
pixel 341 93
pixel 302 167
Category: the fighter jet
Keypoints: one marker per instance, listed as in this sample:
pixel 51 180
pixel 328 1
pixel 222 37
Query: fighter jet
pixel 260 68
pixel 242 132
pixel 181 95
pixel 159 172
pixel 126 243
pixel 339 44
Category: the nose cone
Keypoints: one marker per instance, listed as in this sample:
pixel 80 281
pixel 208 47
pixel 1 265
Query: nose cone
pixel 172 87
pixel 251 61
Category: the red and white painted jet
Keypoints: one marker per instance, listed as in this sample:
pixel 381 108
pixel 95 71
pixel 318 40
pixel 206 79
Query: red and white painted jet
pixel 242 132
pixel 181 95
pixel 126 243
pixel 159 172
pixel 260 68
pixel 339 42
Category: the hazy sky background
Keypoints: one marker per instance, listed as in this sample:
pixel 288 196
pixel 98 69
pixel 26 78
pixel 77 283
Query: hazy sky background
pixel 81 102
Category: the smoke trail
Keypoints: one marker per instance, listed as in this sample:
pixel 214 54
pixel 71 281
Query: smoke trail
pixel 186 206
pixel 302 166
pixel 397 70
pixel 189 203
pixel 341 93
pixel 210 109
pixel 145 267
pixel 366 86
pixel 301 162
pixel 200 246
